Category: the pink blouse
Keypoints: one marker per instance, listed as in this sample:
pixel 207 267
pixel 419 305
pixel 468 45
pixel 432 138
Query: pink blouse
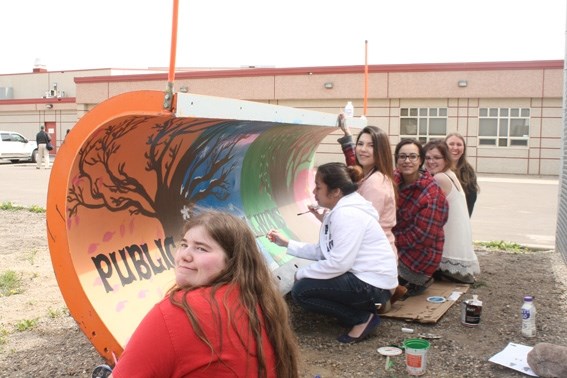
pixel 379 190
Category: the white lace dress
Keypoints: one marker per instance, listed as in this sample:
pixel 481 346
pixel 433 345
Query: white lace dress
pixel 459 261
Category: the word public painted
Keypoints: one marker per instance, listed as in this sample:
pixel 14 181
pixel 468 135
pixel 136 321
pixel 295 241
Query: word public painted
pixel 135 263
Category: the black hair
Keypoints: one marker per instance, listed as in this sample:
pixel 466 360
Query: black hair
pixel 339 176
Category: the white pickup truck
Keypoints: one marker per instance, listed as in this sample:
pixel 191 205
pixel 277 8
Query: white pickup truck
pixel 15 147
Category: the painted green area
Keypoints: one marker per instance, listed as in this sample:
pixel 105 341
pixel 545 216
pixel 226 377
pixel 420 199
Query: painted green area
pixel 269 180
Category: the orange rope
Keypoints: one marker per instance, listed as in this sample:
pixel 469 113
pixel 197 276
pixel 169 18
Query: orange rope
pixel 365 76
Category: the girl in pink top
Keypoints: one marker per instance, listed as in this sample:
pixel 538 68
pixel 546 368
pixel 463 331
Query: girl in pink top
pixel 372 152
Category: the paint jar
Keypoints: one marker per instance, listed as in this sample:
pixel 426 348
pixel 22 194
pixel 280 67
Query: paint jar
pixel 470 312
pixel 416 355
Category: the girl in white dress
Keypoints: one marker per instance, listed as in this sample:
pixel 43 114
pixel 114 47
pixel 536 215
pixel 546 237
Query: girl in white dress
pixel 459 262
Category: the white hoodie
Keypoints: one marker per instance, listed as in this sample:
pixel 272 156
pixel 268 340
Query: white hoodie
pixel 350 240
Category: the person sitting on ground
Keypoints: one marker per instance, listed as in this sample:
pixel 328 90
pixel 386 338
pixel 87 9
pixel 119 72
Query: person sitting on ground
pixel 355 268
pixel 422 213
pixel 464 171
pixel 373 154
pixel 224 317
pixel 459 262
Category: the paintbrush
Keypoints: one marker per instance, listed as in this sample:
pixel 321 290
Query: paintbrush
pixel 315 207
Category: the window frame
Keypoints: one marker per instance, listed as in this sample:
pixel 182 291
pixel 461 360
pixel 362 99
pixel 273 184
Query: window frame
pixel 504 117
pixel 423 117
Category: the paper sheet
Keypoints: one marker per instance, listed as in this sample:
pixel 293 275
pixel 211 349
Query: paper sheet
pixel 514 356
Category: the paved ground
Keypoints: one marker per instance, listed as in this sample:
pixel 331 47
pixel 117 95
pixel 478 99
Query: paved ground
pixel 518 209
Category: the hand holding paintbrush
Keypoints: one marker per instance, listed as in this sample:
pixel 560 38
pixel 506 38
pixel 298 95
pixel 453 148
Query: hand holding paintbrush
pixel 311 209
pixel 314 209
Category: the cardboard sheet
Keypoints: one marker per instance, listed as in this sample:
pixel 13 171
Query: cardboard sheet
pixel 420 310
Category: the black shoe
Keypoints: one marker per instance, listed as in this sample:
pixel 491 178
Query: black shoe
pixel 371 326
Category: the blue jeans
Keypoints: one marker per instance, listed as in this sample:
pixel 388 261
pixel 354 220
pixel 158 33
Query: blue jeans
pixel 345 297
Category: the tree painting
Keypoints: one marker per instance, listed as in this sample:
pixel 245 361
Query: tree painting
pixel 184 160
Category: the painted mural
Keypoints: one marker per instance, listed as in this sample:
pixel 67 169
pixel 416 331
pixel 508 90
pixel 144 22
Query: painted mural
pixel 130 174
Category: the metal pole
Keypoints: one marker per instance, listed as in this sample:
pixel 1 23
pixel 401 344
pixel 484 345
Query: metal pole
pixel 561 231
pixel 168 97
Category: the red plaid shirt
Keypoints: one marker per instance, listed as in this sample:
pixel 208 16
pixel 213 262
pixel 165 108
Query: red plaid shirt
pixel 422 213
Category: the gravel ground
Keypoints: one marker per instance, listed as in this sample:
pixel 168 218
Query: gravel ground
pixel 51 344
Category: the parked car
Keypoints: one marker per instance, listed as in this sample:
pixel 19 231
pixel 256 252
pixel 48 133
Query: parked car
pixel 15 147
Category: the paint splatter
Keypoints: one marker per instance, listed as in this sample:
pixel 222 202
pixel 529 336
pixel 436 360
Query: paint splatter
pixel 120 306
pixel 92 248
pixel 107 236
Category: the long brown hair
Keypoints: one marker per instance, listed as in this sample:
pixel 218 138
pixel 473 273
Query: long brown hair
pixel 464 171
pixel 246 271
pixel 382 152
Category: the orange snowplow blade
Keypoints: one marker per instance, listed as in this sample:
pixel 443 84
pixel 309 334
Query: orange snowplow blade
pixel 129 174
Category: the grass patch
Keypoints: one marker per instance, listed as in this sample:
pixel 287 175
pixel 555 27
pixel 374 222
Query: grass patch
pixel 10 283
pixel 3 336
pixel 26 325
pixel 9 206
pixel 501 245
pixel 478 284
pixel 36 209
pixel 31 256
pixel 57 313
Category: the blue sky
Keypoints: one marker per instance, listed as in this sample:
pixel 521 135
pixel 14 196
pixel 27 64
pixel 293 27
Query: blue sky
pixel 82 34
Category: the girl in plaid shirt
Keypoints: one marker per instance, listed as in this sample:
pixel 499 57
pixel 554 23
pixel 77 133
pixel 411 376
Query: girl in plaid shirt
pixel 421 214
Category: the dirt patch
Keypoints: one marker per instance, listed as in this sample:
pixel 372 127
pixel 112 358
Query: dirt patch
pixel 51 344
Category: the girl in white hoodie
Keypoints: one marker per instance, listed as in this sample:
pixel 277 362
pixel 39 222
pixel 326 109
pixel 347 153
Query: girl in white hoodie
pixel 355 268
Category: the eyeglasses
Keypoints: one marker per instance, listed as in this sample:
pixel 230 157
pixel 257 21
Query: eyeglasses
pixel 411 157
pixel 433 158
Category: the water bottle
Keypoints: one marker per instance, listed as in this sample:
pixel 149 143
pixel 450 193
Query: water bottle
pixel 349 110
pixel 528 317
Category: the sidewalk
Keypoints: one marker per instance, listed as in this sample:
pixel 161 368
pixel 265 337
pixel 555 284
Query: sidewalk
pixel 519 209
pixel 23 184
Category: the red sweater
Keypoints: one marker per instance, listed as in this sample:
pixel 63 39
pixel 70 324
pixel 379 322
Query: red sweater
pixel 165 344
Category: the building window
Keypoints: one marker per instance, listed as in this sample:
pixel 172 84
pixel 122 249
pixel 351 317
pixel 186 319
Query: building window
pixel 423 123
pixel 504 127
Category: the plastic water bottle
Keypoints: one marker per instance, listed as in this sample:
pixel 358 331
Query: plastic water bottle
pixel 528 317
pixel 349 110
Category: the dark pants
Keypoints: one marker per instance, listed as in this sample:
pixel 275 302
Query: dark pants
pixel 345 297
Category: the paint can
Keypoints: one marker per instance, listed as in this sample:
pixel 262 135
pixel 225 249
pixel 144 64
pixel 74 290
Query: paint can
pixel 470 312
pixel 416 355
